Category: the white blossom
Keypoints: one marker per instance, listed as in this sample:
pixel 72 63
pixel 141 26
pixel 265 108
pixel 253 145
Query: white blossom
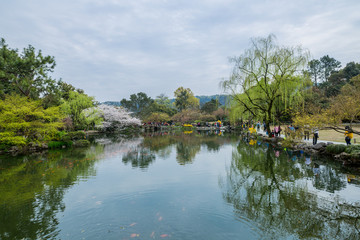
pixel 116 117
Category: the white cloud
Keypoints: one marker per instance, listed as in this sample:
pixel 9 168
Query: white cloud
pixel 113 48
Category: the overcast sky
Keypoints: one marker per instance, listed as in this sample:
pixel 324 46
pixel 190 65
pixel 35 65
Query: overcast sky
pixel 114 48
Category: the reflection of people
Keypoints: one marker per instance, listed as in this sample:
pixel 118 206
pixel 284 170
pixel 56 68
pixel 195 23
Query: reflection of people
pixel 316 169
pixel 276 131
pixel 279 130
pixel 316 136
pixel 348 135
pixel 290 154
pixel 277 154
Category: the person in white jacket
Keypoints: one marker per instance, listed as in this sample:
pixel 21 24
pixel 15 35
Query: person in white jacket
pixel 315 136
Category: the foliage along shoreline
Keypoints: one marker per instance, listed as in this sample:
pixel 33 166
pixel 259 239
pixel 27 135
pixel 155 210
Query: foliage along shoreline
pixel 38 112
pixel 269 83
pixel 348 155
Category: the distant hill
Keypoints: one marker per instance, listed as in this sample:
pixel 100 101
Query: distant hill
pixel 203 99
pixel 221 98
pixel 111 103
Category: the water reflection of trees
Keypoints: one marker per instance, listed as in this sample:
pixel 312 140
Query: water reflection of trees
pixel 270 192
pixel 329 179
pixel 140 157
pixel 187 145
pixel 32 190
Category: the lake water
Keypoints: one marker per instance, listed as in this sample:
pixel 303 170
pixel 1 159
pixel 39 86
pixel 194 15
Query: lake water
pixel 177 186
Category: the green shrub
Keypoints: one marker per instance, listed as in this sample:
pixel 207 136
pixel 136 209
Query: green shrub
pixel 58 136
pixel 335 148
pixel 22 118
pixel 65 138
pixel 9 139
pixel 353 149
pixel 288 143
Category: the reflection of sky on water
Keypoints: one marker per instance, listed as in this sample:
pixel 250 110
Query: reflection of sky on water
pixel 183 186
pixel 186 196
pixel 350 194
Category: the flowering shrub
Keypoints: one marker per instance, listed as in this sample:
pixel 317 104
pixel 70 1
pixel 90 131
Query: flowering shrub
pixel 116 118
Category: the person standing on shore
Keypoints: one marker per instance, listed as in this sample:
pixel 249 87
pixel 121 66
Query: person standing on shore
pixel 348 135
pixel 306 132
pixel 316 136
pixel 279 130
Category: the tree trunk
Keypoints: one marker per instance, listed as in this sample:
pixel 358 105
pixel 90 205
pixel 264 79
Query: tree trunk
pixel 268 118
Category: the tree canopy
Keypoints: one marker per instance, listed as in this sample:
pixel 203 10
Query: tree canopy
pixel 210 106
pixel 138 104
pixel 25 73
pixel 263 75
pixel 74 107
pixel 184 99
pixel 345 106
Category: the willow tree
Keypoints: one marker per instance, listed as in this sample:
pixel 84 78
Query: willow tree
pixel 261 75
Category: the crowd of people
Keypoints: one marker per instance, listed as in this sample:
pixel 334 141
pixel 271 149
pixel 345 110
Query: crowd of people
pixel 293 131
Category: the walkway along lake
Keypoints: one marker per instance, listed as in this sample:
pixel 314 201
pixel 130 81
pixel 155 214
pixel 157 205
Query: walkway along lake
pixel 177 186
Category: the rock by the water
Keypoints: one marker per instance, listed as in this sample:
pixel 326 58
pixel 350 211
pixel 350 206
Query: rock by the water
pixel 342 156
pixel 319 146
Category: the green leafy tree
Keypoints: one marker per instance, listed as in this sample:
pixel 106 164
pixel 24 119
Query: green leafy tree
pixel 92 117
pixel 338 79
pixel 158 117
pixel 162 99
pixel 74 106
pixel 343 107
pixel 314 69
pixel 333 85
pixel 351 70
pixel 26 73
pixel 262 74
pixel 24 120
pixel 328 66
pixel 138 104
pixel 162 104
pixel 184 99
pixel 210 106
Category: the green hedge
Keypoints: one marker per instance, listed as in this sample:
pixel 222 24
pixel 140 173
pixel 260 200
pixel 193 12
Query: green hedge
pixel 353 149
pixel 335 148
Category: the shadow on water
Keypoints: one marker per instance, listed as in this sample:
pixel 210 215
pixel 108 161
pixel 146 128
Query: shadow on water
pixel 274 189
